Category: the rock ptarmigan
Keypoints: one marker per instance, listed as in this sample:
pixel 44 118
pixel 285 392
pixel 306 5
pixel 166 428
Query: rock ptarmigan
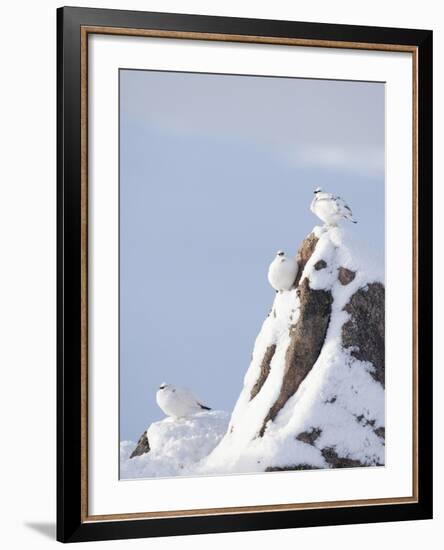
pixel 282 272
pixel 330 208
pixel 178 402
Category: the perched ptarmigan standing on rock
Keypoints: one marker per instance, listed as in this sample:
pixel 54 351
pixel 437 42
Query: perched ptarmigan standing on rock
pixel 282 271
pixel 330 208
pixel 178 402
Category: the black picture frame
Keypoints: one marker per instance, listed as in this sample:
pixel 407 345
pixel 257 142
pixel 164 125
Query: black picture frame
pixel 71 524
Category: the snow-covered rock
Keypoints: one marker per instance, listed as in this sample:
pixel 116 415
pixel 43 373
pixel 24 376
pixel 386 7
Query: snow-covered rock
pixel 313 396
pixel 173 446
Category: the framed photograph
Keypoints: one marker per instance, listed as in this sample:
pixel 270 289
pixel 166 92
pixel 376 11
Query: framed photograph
pixel 244 274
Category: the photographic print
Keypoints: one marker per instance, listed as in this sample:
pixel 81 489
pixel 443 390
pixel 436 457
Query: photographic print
pixel 251 274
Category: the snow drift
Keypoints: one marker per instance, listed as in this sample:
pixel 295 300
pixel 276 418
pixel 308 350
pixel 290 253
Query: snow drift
pixel 173 446
pixel 313 395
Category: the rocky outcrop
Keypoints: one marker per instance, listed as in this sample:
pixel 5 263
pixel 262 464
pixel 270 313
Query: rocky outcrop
pixel 307 334
pixel 307 337
pixel 345 275
pixel 335 461
pixel 309 437
pixel 264 370
pixel 364 332
pixel 380 432
pixel 304 254
pixel 320 264
pixel 313 395
pixel 142 447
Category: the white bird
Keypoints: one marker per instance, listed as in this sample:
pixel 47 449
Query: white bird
pixel 178 402
pixel 330 208
pixel 282 271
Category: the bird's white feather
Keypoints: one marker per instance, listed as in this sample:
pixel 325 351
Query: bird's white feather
pixel 178 402
pixel 282 272
pixel 330 208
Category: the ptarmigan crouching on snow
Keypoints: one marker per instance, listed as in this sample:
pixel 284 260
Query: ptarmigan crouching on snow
pixel 282 272
pixel 178 402
pixel 330 208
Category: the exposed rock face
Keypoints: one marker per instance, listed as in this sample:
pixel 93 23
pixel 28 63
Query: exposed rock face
pixel 304 254
pixel 335 461
pixel 307 338
pixel 364 333
pixel 320 264
pixel 142 447
pixel 380 432
pixel 309 437
pixel 265 369
pixel 345 275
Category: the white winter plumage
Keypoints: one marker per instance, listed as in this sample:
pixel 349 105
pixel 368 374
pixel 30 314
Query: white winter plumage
pixel 330 208
pixel 282 271
pixel 178 402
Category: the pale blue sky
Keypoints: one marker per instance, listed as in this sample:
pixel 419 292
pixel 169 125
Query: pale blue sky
pixel 216 174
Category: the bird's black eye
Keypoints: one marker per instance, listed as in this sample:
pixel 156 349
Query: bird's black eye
pixel 174 391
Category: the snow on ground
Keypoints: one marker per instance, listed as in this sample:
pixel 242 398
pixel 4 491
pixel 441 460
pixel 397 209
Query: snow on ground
pixel 176 445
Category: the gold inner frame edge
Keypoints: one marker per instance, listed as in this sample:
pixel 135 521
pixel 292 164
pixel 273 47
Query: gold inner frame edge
pixel 84 33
